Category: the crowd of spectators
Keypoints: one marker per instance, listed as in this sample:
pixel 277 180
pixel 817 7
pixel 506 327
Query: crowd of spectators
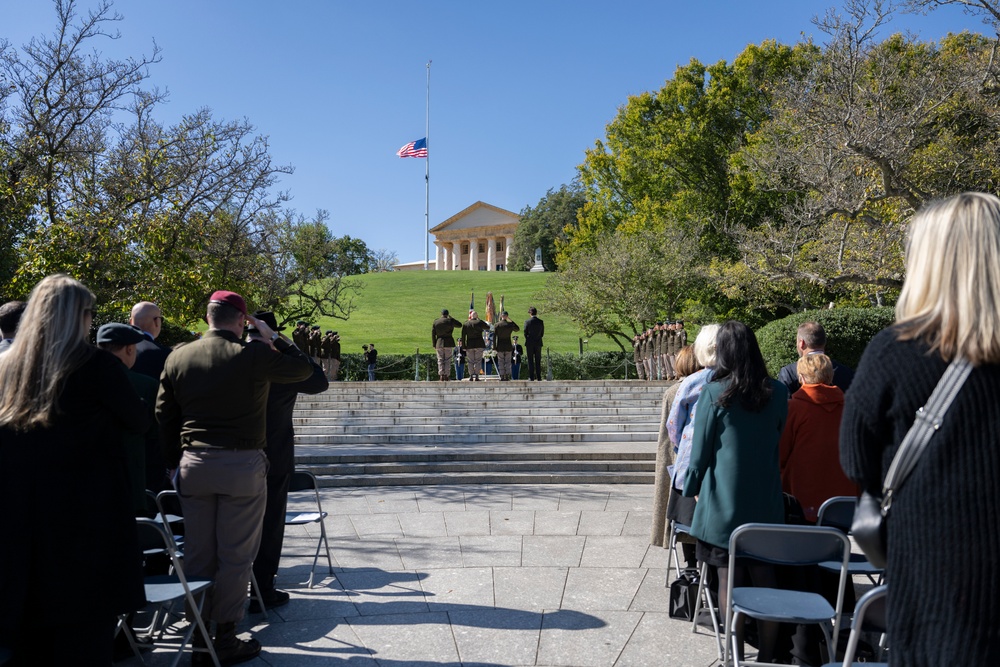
pixel 740 447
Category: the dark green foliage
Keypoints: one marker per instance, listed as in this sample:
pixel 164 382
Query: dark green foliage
pixel 543 224
pixel 171 334
pixel 848 331
pixel 606 365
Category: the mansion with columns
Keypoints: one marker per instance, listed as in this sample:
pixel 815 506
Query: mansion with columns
pixel 475 239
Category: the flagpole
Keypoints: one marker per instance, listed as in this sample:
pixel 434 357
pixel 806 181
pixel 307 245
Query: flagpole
pixel 427 176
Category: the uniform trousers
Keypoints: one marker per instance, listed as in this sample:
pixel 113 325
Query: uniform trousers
pixel 515 370
pixel 444 355
pixel 475 361
pixel 648 366
pixel 223 493
pixel 667 364
pixel 272 537
pixel 330 367
pixel 640 372
pixel 503 363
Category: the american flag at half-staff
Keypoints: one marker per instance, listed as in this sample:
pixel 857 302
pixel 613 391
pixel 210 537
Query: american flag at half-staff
pixel 416 148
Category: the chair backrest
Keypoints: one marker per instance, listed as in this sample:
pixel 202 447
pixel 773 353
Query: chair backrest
pixel 153 537
pixel 837 512
pixel 869 616
pixel 302 480
pixel 870 610
pixel 167 502
pixel 789 545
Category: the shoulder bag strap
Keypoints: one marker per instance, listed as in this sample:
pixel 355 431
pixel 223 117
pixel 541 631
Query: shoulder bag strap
pixel 927 421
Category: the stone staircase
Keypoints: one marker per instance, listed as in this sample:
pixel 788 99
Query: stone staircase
pixel 410 433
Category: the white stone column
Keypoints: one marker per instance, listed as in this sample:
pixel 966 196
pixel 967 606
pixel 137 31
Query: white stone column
pixel 473 255
pixel 456 256
pixel 508 242
pixel 439 258
pixel 491 254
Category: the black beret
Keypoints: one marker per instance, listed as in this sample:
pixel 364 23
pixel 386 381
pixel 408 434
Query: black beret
pixel 119 334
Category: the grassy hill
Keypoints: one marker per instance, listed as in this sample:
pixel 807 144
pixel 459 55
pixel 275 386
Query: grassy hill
pixel 395 310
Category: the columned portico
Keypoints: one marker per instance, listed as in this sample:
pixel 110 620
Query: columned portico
pixel 477 239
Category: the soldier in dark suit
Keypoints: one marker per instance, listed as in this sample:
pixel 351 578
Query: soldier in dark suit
pixel 534 329
pixel 212 410
pixel 280 452
pixel 472 341
pixel 503 345
pixel 443 340
pixel 149 359
pixel 330 354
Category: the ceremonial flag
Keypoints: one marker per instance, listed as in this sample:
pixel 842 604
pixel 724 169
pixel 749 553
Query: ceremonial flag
pixel 416 148
pixel 472 303
pixel 491 309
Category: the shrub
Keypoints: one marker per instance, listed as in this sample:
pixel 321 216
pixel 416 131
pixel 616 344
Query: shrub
pixel 848 331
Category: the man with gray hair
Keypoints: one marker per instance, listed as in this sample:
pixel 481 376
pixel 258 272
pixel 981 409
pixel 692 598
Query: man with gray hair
pixel 10 317
pixel 811 339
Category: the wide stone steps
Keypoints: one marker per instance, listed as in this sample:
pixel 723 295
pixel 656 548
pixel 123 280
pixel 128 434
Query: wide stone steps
pixel 406 433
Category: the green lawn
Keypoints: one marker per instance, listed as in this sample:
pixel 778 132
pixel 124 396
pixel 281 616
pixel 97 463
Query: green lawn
pixel 395 310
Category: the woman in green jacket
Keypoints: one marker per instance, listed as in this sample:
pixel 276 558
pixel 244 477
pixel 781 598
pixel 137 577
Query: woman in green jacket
pixel 734 470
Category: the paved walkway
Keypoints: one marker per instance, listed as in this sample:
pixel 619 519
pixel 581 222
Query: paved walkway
pixel 512 575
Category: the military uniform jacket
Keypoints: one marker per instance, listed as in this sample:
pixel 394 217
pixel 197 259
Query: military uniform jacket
pixel 637 351
pixel 472 334
pixel 504 330
pixel 442 331
pixel 681 338
pixel 315 343
pixel 518 353
pixel 301 339
pixel 214 392
pixel 329 349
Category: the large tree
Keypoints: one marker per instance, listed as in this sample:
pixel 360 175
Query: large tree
pixel 874 130
pixel 628 282
pixel 543 226
pixel 92 184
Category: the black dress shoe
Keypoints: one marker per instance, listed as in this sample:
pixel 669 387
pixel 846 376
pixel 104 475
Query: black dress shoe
pixel 275 598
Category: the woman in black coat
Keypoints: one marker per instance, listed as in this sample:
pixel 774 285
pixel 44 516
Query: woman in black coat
pixel 69 556
pixel 943 527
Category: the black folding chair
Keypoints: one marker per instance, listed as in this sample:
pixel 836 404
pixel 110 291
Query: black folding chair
pixel 869 617
pixel 303 482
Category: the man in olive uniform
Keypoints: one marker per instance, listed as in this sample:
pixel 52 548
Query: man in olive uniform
pixel 330 354
pixel 669 350
pixel 472 341
pixel 212 411
pixel 647 353
pixel 300 336
pixel 680 341
pixel 315 343
pixel 443 340
pixel 637 357
pixel 503 345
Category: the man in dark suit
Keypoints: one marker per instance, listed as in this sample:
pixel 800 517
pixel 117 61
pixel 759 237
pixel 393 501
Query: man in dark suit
pixel 280 452
pixel 534 329
pixel 149 359
pixel 10 317
pixel 811 339
pixel 212 411
pixel 443 340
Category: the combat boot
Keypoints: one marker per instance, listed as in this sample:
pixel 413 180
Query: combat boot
pixel 232 650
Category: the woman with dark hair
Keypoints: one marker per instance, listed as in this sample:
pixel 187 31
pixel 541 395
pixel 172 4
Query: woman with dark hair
pixel 733 469
pixel 64 486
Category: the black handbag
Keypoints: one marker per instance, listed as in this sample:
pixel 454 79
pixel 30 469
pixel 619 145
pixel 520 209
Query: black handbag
pixel 684 595
pixel 872 513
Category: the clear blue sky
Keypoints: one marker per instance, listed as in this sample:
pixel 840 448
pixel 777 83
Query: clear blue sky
pixel 519 89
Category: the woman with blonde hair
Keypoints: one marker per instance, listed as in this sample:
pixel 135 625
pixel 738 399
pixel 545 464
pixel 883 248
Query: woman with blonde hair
pixel 943 532
pixel 685 365
pixel 680 428
pixel 64 486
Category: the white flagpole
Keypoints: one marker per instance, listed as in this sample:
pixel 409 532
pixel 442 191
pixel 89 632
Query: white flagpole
pixel 427 175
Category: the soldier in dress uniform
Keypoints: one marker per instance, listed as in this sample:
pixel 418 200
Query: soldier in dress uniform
pixel 637 357
pixel 472 341
pixel 503 345
pixel 443 340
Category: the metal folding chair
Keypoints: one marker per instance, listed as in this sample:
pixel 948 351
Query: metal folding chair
pixel 779 544
pixel 304 481
pixel 164 590
pixel 675 530
pixel 838 512
pixel 869 617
